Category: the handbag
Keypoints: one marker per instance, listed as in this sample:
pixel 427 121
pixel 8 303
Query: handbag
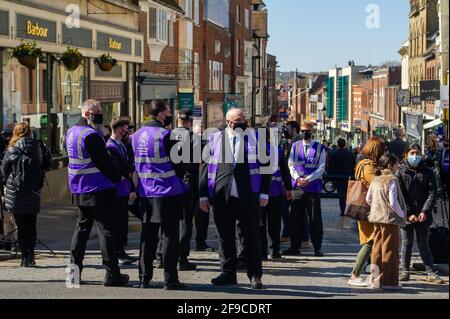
pixel 356 205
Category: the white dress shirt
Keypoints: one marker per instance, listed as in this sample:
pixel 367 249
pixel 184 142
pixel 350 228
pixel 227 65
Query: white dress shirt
pixel 293 158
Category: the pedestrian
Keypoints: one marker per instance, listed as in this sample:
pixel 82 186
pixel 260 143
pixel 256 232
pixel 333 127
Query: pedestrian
pixel 92 179
pixel 231 182
pixel 119 153
pixel 417 184
pixel 23 170
pixel 186 138
pixel 364 173
pixel 358 152
pixel 292 134
pixel 432 152
pixel 342 165
pixel 161 190
pixel 307 162
pixel 387 213
pixel 281 189
pixel 443 160
pixel 398 146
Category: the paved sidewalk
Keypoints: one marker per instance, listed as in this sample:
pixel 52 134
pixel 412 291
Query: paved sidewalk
pixel 294 277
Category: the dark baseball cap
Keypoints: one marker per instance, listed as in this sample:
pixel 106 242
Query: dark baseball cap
pixel 185 114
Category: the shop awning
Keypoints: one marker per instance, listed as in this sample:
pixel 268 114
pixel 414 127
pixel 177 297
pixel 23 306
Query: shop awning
pixel 432 124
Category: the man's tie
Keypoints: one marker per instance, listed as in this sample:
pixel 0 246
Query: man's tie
pixel 234 150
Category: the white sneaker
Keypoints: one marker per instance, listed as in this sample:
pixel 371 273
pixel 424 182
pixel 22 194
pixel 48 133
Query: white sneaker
pixel 357 282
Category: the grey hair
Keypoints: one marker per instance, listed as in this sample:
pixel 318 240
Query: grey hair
pixel 90 105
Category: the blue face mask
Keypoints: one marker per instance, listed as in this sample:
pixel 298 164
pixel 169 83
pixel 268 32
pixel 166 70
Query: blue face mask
pixel 415 160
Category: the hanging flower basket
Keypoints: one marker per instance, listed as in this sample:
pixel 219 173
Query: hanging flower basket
pixel 71 59
pixel 27 54
pixel 105 62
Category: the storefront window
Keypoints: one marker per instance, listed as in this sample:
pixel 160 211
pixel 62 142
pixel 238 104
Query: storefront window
pixel 24 97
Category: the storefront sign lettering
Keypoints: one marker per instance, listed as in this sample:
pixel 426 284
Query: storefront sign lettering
pixel 36 30
pixel 115 45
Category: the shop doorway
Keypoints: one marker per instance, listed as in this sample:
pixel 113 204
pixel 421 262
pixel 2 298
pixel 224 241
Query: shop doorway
pixel 110 111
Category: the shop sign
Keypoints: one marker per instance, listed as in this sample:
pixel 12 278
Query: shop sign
pixel 186 100
pixel 138 47
pixel 36 28
pixel 430 90
pixel 416 100
pixel 444 97
pixel 113 43
pixel 413 124
pixel 4 22
pixel 79 37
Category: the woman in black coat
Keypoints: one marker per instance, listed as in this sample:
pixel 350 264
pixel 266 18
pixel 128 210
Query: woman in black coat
pixel 418 186
pixel 23 171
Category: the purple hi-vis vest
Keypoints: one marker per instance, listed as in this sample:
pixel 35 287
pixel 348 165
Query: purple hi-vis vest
pixel 250 153
pixel 84 177
pixel 156 176
pixel 305 165
pixel 277 187
pixel 124 186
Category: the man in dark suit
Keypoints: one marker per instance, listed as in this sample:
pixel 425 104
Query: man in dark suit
pixel 235 188
pixel 398 146
pixel 342 164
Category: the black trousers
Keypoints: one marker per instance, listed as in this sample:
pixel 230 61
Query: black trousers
pixel 225 219
pixel 26 233
pixel 309 204
pixel 121 223
pixel 104 219
pixel 169 231
pixel 201 226
pixel 271 222
pixel 186 226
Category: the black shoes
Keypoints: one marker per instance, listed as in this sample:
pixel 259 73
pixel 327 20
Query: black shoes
pixel 187 266
pixel 290 252
pixel 224 280
pixel 176 285
pixel 24 262
pixel 30 259
pixel 117 282
pixel 125 259
pixel 256 283
pixel 204 247
pixel 276 256
pixel 318 253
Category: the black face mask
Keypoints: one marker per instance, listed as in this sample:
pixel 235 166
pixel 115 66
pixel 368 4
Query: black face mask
pixel 307 136
pixel 242 126
pixel 168 121
pixel 287 135
pixel 96 118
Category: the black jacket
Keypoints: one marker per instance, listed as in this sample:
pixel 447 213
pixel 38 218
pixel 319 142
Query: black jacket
pixel 96 148
pixel 342 162
pixel 24 202
pixel 418 187
pixel 226 172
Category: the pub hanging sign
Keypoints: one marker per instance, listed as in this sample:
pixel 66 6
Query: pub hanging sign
pixel 430 90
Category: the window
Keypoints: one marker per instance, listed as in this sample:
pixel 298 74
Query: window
pixel 171 41
pixel 238 52
pixel 162 25
pixel 159 27
pixel 238 14
pixel 216 76
pixel 247 18
pixel 196 69
pixel 196 11
pixel 188 9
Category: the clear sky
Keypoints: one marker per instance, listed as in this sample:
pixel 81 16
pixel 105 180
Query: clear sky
pixel 316 35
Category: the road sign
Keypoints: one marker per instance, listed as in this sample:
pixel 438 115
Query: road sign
pixel 403 98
